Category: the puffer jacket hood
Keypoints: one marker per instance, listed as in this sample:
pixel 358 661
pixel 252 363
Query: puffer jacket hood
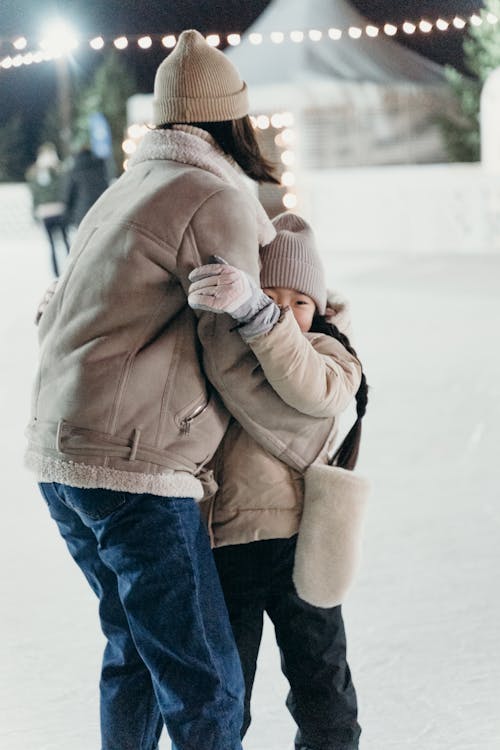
pixel 338 312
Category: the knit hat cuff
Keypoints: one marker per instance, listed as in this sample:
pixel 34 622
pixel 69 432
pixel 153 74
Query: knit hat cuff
pixel 286 271
pixel 196 109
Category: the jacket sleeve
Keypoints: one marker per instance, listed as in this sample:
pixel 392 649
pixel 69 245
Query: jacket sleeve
pixel 226 225
pixel 313 373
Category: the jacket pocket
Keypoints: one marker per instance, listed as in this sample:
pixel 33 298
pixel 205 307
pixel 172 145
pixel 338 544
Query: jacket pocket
pixel 186 418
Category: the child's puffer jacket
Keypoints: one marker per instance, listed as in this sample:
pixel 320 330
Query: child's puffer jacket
pixel 260 497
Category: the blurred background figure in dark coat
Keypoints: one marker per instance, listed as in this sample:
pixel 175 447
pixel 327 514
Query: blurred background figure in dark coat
pixel 45 180
pixel 86 181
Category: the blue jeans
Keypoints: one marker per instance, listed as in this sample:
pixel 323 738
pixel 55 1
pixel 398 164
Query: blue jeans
pixel 170 655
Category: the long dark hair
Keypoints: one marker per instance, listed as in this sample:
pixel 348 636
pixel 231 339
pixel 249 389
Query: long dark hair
pixel 237 138
pixel 347 453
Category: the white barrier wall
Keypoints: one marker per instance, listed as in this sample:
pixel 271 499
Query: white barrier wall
pixel 439 208
pixel 15 209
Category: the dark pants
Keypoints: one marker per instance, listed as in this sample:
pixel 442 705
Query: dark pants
pixel 170 655
pixel 56 225
pixel 257 578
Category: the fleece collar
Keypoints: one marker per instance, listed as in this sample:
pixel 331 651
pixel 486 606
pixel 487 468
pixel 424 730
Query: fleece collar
pixel 338 312
pixel 190 145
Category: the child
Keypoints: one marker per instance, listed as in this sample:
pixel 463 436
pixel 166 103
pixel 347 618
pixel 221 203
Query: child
pixel 255 515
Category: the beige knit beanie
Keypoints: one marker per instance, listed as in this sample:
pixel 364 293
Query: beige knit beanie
pixel 292 261
pixel 198 83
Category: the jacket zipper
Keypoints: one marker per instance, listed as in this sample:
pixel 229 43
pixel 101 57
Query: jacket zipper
pixel 186 422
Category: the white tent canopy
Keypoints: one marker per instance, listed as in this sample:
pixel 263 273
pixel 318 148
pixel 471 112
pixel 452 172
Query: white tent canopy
pixel 365 100
pixel 376 60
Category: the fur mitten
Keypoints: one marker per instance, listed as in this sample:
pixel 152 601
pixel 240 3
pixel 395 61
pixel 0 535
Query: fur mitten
pixel 329 542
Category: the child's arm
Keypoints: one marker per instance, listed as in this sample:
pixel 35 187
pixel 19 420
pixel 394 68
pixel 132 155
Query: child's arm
pixel 313 373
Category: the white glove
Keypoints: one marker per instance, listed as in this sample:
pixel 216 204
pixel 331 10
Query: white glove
pixel 221 288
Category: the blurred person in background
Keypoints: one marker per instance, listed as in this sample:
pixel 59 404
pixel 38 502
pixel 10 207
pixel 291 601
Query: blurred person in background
pixel 85 183
pixel 45 180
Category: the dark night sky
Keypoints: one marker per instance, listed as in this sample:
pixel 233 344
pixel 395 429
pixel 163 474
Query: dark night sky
pixel 29 89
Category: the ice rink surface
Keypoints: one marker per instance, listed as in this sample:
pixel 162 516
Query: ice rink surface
pixel 423 621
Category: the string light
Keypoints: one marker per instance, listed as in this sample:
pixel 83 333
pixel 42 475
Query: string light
pixel 390 29
pixel 289 200
pixel 135 132
pixel 425 26
pixel 288 136
pixel 285 138
pixel 62 43
pixel 288 179
pixel 409 28
pixel 354 32
pixel 129 146
pixel 315 35
pixel 335 34
pixel 145 42
pixel 288 158
pixel 263 122
pixel 97 42
pixel 121 42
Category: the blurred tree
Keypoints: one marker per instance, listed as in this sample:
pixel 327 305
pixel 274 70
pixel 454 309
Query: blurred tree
pixel 107 92
pixel 12 139
pixel 481 56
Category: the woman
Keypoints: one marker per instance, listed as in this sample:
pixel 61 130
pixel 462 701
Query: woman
pixel 124 419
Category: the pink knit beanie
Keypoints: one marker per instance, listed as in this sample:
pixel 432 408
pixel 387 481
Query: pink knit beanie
pixel 292 261
pixel 198 83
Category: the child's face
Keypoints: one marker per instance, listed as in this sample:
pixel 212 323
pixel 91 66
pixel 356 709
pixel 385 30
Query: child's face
pixel 301 305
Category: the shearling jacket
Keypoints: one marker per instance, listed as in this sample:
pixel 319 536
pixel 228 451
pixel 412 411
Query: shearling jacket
pixel 121 398
pixel 260 497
